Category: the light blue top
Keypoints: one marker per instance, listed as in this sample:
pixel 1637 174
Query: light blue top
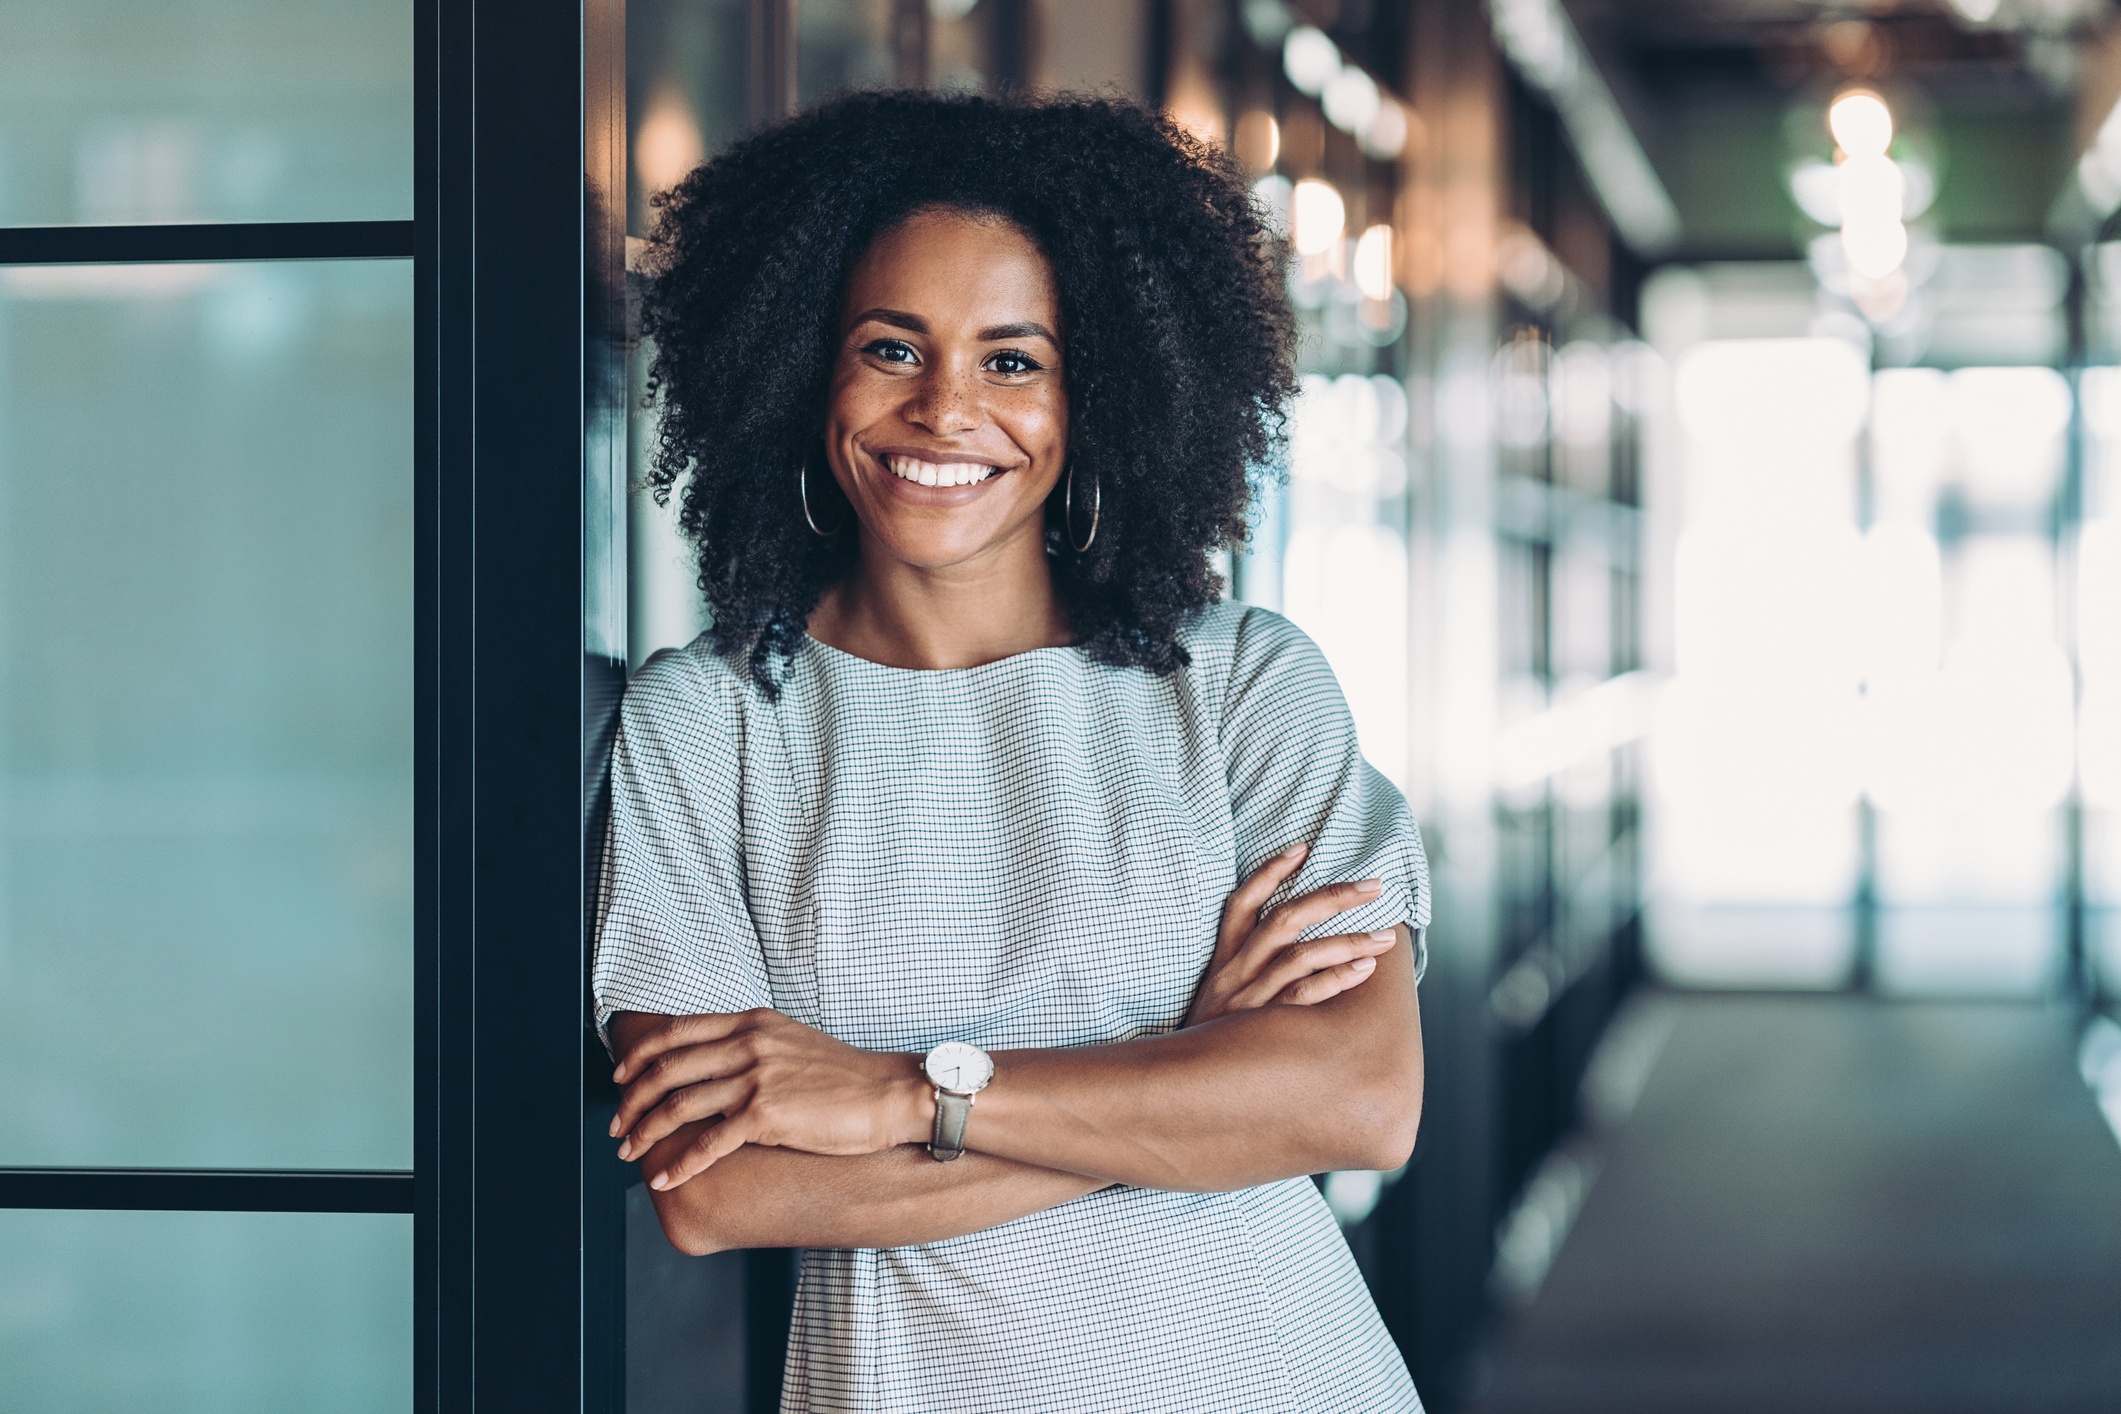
pixel 1031 853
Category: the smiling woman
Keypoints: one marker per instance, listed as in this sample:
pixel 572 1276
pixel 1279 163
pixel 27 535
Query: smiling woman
pixel 1132 242
pixel 986 909
pixel 947 431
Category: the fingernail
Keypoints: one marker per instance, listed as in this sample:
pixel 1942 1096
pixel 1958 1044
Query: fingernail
pixel 656 1182
pixel 1370 886
pixel 1363 964
pixel 614 1131
pixel 1295 849
pixel 1387 936
pixel 624 1147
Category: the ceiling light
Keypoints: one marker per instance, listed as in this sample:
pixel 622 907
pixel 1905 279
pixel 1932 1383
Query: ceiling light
pixel 1861 123
pixel 1258 140
pixel 1309 59
pixel 1373 263
pixel 1319 216
pixel 1351 100
pixel 1386 136
pixel 1874 251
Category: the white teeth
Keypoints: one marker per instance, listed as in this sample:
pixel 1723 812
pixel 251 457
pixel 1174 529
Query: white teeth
pixel 929 473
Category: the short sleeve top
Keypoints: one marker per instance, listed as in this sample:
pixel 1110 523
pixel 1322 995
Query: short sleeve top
pixel 1030 853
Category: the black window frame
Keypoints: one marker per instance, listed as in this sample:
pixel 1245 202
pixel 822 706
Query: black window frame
pixel 514 257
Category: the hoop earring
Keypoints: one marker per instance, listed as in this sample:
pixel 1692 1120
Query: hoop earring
pixel 802 491
pixel 1097 507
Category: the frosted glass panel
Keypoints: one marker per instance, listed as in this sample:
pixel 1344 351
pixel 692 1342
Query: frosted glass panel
pixel 124 111
pixel 206 771
pixel 205 1313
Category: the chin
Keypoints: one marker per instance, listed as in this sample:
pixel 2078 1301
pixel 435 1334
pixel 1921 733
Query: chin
pixel 924 549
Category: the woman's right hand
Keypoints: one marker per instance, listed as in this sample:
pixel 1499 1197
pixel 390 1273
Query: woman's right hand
pixel 1258 960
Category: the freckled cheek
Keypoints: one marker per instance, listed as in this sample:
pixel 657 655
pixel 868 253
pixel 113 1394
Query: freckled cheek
pixel 855 405
pixel 1039 428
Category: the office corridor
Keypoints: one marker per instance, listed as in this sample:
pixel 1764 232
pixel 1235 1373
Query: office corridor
pixel 1829 1203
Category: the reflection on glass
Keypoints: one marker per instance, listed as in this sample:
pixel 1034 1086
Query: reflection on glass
pixel 141 111
pixel 206 771
pixel 205 1313
pixel 685 77
pixel 844 44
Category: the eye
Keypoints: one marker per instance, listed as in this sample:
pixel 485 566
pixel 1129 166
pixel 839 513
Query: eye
pixel 891 351
pixel 1013 361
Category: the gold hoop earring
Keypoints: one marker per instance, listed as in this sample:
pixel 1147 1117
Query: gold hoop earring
pixel 1097 506
pixel 802 491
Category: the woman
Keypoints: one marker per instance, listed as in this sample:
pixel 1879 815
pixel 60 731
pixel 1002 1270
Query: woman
pixel 919 947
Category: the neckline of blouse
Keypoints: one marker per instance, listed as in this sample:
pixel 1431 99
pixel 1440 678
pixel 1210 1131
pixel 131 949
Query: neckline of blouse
pixel 833 654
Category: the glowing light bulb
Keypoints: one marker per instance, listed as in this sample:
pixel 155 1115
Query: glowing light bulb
pixel 668 143
pixel 1861 123
pixel 1319 216
pixel 1309 59
pixel 1351 100
pixel 1258 140
pixel 1386 136
pixel 1870 190
pixel 1874 250
pixel 1373 263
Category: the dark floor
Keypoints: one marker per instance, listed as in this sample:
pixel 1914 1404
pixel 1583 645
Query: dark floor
pixel 1828 1204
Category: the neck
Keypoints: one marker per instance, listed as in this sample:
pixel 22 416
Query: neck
pixel 994 606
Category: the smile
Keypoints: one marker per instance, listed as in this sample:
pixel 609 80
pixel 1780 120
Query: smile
pixel 929 473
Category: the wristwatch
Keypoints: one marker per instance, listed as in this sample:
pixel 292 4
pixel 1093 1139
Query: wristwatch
pixel 958 1070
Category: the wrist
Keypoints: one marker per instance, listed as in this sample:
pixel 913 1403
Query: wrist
pixel 909 1102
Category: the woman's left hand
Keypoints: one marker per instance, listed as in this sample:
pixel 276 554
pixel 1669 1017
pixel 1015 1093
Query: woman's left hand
pixel 772 1081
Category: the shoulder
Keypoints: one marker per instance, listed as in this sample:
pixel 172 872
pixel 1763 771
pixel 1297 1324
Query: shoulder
pixel 1239 647
pixel 685 691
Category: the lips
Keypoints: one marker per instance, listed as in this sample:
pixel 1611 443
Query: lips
pixel 939 473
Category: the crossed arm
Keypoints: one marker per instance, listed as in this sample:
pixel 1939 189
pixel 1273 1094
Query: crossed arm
pixel 755 1130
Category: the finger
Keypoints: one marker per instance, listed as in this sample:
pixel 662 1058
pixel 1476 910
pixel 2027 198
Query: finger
pixel 1287 922
pixel 694 1102
pixel 1300 960
pixel 1282 926
pixel 678 1032
pixel 715 1142
pixel 1248 898
pixel 674 1070
pixel 1323 986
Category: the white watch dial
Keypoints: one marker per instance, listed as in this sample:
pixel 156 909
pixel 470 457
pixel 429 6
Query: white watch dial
pixel 958 1067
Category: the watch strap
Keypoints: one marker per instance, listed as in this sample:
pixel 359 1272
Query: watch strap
pixel 951 1112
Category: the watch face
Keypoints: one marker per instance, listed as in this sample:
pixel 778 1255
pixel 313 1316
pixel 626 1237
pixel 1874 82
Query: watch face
pixel 958 1067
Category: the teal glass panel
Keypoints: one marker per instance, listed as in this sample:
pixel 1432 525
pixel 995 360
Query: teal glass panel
pixel 205 1313
pixel 206 763
pixel 148 111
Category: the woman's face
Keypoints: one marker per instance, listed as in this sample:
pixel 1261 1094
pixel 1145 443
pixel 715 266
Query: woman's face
pixel 948 420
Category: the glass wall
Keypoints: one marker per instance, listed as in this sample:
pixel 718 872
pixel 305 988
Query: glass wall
pixel 132 111
pixel 207 766
pixel 112 1312
pixel 206 715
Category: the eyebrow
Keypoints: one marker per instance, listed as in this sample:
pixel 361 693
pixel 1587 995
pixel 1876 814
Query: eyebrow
pixel 1022 329
pixel 913 323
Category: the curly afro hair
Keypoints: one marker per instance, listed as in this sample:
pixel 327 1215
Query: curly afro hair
pixel 1178 331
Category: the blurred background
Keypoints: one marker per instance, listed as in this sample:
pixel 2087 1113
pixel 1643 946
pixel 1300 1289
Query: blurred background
pixel 1706 485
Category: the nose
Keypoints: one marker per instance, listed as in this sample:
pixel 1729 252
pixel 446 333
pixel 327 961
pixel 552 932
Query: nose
pixel 945 404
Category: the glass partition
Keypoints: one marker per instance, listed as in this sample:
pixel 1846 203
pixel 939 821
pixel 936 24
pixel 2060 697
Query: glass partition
pixel 205 1313
pixel 120 112
pixel 206 759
